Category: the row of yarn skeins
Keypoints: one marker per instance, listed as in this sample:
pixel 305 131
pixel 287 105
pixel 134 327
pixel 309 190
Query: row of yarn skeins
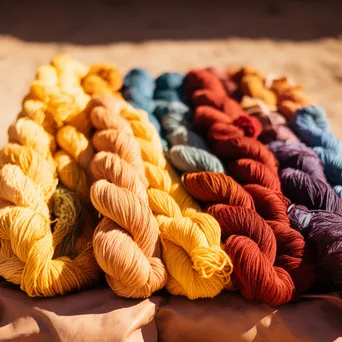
pixel 107 154
pixel 216 143
pixel 78 151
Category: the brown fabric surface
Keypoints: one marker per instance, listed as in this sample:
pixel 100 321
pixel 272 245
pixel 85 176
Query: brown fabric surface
pixel 99 315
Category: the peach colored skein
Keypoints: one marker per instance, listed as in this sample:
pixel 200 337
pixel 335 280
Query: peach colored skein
pixel 126 242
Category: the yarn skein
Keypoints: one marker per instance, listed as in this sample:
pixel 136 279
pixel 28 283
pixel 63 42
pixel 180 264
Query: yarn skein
pixel 57 101
pixel 231 135
pixel 318 210
pixel 302 177
pixel 274 91
pixel 191 250
pixel 126 243
pixel 45 235
pixel 188 151
pixel 138 91
pixel 311 125
pixel 271 99
pixel 250 240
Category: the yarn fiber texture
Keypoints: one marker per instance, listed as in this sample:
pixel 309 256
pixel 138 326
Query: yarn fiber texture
pixel 274 125
pixel 232 134
pixel 164 98
pixel 274 91
pixel 45 233
pixel 57 102
pixel 197 266
pixel 126 242
pixel 317 210
pixel 311 125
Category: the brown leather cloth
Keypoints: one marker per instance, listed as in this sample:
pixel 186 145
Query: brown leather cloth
pixel 99 315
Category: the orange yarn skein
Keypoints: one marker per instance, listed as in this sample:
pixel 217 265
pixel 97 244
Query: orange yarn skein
pixel 126 242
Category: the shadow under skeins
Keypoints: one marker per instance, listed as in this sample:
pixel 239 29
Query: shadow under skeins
pixel 231 134
pixel 164 100
pixel 317 209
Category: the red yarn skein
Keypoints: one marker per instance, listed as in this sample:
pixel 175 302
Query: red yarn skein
pixel 250 240
pixel 266 251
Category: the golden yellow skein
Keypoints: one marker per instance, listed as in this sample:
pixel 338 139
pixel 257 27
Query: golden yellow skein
pixel 45 235
pixel 102 79
pixel 58 103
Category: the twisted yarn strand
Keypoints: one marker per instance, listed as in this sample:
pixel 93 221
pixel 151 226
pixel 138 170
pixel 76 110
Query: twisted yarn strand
pixel 126 242
pixel 311 125
pixel 44 234
pixel 57 102
pixel 276 92
pixel 316 212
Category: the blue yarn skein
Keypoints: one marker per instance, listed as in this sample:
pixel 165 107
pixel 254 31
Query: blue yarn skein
pixel 138 90
pixel 188 152
pixel 311 125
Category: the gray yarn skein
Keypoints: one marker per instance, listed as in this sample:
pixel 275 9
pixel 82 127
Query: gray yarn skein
pixel 189 152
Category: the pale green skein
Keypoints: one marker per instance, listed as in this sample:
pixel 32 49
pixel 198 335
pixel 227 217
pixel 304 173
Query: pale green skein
pixel 190 159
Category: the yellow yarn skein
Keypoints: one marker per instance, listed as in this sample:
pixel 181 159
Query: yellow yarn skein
pixel 45 235
pixel 126 242
pixel 102 79
pixel 58 103
pixel 197 265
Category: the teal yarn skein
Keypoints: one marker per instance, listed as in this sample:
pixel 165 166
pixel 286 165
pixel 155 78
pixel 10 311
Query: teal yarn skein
pixel 311 125
pixel 163 100
pixel 138 91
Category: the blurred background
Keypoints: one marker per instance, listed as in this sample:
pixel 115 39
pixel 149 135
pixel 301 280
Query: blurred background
pixel 300 39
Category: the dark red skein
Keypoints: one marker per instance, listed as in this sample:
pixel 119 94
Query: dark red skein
pixel 251 240
pixel 232 134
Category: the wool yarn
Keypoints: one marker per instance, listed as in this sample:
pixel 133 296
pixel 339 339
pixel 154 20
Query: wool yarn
pixel 247 234
pixel 197 266
pixel 102 79
pixel 164 100
pixel 311 125
pixel 271 99
pixel 57 102
pixel 231 135
pixel 322 230
pixel 274 125
pixel 317 206
pixel 226 77
pixel 45 234
pixel 272 90
pixel 138 90
pixel 302 177
pixel 126 243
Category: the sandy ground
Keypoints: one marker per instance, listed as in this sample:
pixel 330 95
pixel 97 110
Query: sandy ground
pixel 299 39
